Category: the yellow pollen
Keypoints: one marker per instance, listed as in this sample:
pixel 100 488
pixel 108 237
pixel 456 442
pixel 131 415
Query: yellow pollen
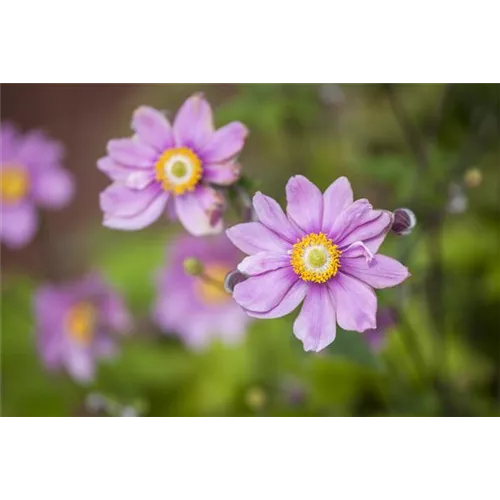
pixel 315 258
pixel 14 183
pixel 179 170
pixel 211 288
pixel 80 323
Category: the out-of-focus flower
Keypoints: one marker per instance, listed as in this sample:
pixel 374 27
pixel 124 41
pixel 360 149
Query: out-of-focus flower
pixel 255 398
pixel 197 308
pixel 171 167
pixel 404 221
pixel 457 199
pixel 331 94
pixel 473 177
pixel 75 325
pixel 376 338
pixel 323 251
pixel 31 176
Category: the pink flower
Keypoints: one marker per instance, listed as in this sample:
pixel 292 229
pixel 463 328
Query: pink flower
pixel 323 251
pixel 171 167
pixel 31 176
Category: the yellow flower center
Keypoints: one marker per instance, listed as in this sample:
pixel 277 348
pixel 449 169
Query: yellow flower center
pixel 210 286
pixel 315 258
pixel 179 170
pixel 80 323
pixel 14 183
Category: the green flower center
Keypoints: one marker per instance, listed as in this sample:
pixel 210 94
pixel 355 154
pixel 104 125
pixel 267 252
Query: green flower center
pixel 178 169
pixel 316 257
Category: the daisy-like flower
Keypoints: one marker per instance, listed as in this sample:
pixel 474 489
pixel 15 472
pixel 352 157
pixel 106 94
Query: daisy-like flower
pixel 323 251
pixel 197 308
pixel 171 167
pixel 31 176
pixel 76 323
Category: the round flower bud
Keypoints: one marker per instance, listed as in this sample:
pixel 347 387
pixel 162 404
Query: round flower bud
pixel 232 279
pixel 473 177
pixel 193 266
pixel 404 221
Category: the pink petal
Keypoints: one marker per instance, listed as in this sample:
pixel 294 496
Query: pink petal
pixel 200 211
pixel 271 215
pixel 290 301
pixel 315 324
pixel 9 141
pixel 53 188
pixel 36 148
pixel 254 237
pixel 337 198
pixel 263 262
pixel 264 292
pixel 225 143
pixel 357 249
pixel 355 303
pixel 349 219
pixel 140 220
pixel 223 174
pixel 373 224
pixel 382 272
pixel 118 199
pixel 153 128
pixel 18 225
pixel 193 124
pixel 80 364
pixel 304 204
pixel 132 177
pixel 132 153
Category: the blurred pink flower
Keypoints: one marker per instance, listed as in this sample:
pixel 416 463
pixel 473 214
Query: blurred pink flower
pixel 197 308
pixel 75 324
pixel 171 167
pixel 376 337
pixel 323 251
pixel 31 175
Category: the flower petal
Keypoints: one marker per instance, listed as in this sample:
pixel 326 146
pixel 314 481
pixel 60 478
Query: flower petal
pixel 290 301
pixel 140 220
pixel 18 225
pixel 271 215
pixel 118 199
pixel 263 262
pixel 304 204
pixel 372 224
pixel 355 303
pixel 132 177
pixel 193 123
pixel 153 128
pixel 80 364
pixel 132 153
pixel 254 237
pixel 336 199
pixel 224 174
pixel 349 219
pixel 53 187
pixel 357 249
pixel 37 149
pixel 315 325
pixel 200 211
pixel 225 143
pixel 264 292
pixel 382 272
pixel 9 140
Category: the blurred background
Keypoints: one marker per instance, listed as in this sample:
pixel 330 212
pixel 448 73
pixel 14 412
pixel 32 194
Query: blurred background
pixel 432 148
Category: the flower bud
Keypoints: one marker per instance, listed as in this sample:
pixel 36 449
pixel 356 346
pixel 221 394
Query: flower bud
pixel 193 266
pixel 232 279
pixel 404 221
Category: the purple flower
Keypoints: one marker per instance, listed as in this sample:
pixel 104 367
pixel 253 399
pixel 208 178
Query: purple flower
pixel 376 337
pixel 76 323
pixel 197 308
pixel 171 167
pixel 323 251
pixel 30 175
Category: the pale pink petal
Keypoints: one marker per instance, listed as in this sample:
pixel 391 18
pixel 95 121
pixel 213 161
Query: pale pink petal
pixel 9 142
pixel 315 325
pixel 140 220
pixel 381 272
pixel 223 174
pixel 132 153
pixel 271 215
pixel 18 225
pixel 371 225
pixel 118 199
pixel 153 128
pixel 355 303
pixel 193 123
pixel 349 219
pixel 264 292
pixel 304 204
pixel 37 149
pixel 263 262
pixel 225 143
pixel 336 199
pixel 289 302
pixel 132 177
pixel 200 211
pixel 254 237
pixel 80 364
pixel 53 188
pixel 357 249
